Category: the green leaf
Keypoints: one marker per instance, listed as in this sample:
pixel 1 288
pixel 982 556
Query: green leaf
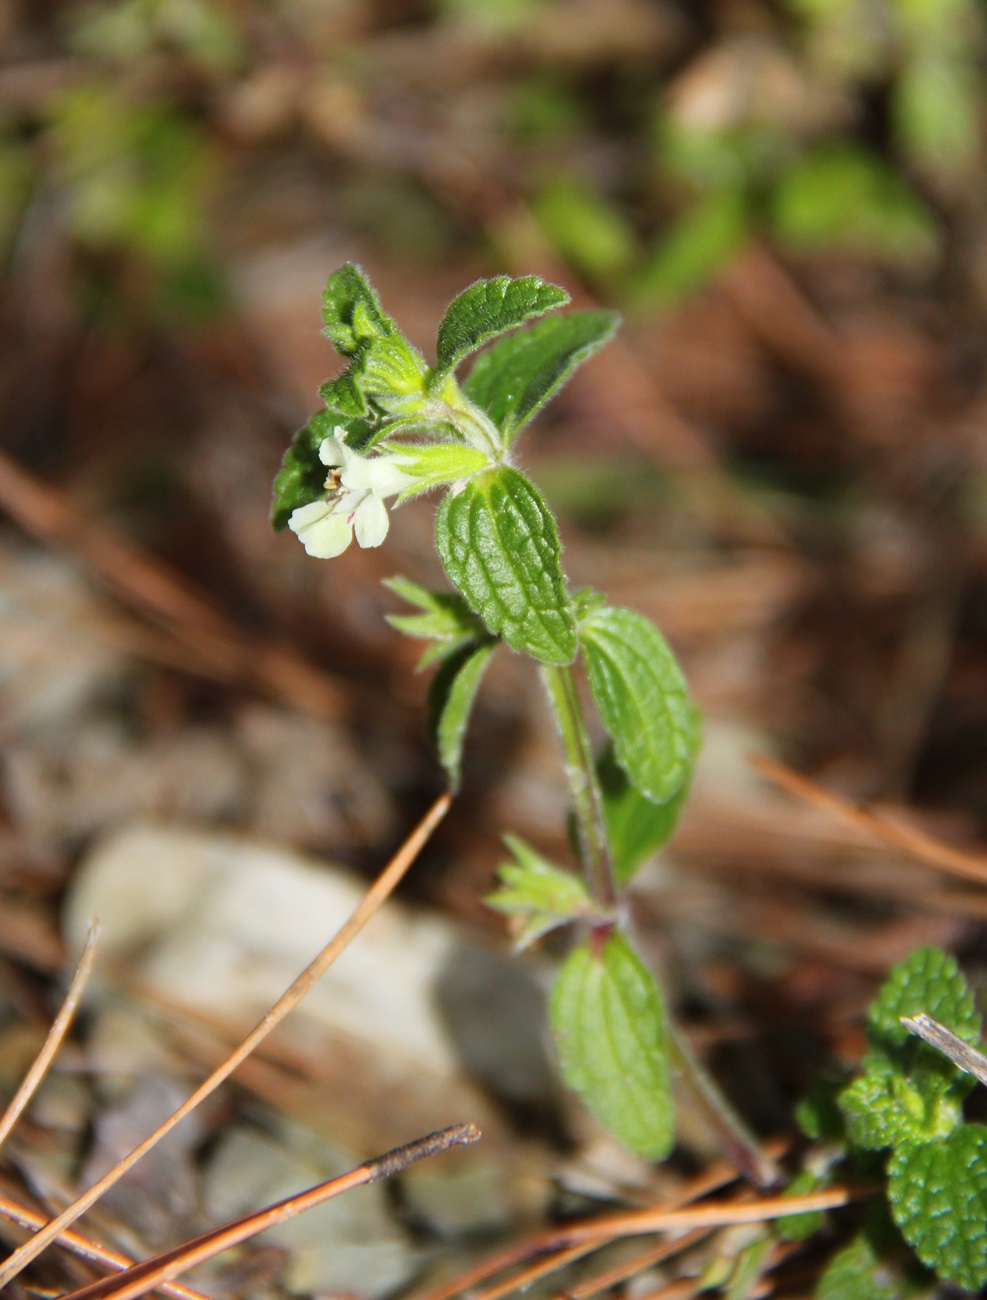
pixel 695 249
pixel 352 311
pixel 608 1023
pixel 432 464
pixel 514 380
pixel 643 699
pixel 302 476
pixel 591 234
pixel 489 308
pixel 445 618
pixel 450 702
pixel 843 197
pixel 392 374
pixel 343 394
pixel 938 1196
pixel 498 543
pixel 538 893
pixel 858 1272
pixel 883 1108
pixel 928 980
pixel 909 1092
pixel 636 826
pixel 818 1115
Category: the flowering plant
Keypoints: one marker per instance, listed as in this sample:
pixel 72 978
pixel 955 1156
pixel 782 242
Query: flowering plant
pixel 393 426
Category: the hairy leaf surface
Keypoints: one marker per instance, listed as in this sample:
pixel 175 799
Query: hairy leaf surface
pixel 450 699
pixel 514 380
pixel 643 699
pixel 352 312
pixel 489 308
pixel 608 1022
pixel 938 1195
pixel 500 548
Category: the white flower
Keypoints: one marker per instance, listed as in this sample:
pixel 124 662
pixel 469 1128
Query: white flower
pixel 354 502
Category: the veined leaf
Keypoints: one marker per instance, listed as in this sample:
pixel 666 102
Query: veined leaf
pixel 537 893
pixel 302 476
pixel 643 699
pixel 514 380
pixel 450 700
pixel 499 545
pixel 938 1196
pixel 928 980
pixel 608 1022
pixel 343 395
pixel 489 308
pixel 392 374
pixel 885 1108
pixel 352 311
pixel 637 827
pixel 908 1092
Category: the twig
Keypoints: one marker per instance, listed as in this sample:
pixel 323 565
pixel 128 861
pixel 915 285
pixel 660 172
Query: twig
pixel 917 844
pixel 639 1222
pixel 371 901
pixel 140 1279
pixel 87 1249
pixel 53 1041
pixel 951 1046
pixel 543 1243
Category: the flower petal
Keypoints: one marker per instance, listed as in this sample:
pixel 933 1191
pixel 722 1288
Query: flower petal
pixel 370 521
pixel 321 529
pixel 333 450
pixel 380 475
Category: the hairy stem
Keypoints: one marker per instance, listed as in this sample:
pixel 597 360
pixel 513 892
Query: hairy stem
pixel 735 1139
pixel 580 770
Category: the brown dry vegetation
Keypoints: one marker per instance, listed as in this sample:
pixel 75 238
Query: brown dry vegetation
pixel 784 465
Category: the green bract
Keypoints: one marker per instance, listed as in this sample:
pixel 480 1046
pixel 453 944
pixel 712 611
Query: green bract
pixel 445 619
pixel 352 313
pixel 538 893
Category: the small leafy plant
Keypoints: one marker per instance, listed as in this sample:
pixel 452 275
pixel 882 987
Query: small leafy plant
pixel 394 426
pixel 901 1120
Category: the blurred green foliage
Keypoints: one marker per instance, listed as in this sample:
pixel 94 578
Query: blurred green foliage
pixel 830 127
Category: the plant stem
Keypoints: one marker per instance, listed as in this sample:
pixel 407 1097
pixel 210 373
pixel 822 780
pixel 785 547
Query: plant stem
pixel 736 1141
pixel 580 770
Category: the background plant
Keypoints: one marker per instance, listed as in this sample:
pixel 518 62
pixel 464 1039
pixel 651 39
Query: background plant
pixel 900 1119
pixel 778 461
